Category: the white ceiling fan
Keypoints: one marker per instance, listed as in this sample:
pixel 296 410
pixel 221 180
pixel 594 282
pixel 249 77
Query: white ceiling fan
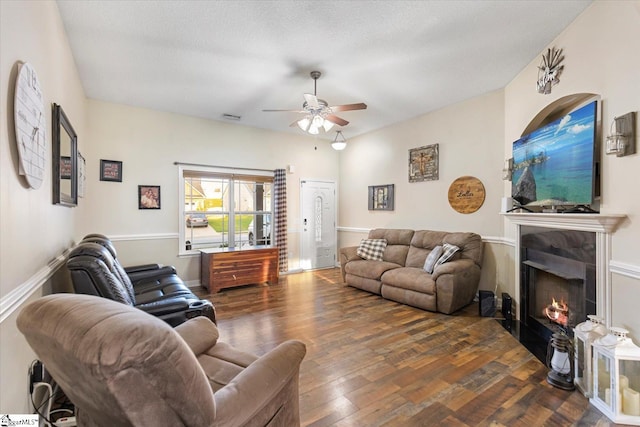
pixel 317 112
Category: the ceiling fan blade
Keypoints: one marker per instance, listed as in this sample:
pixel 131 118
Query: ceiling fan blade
pixel 337 120
pixel 312 100
pixel 349 107
pixel 284 111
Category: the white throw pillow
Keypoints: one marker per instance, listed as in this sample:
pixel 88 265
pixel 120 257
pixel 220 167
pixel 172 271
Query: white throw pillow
pixel 433 256
pixel 447 252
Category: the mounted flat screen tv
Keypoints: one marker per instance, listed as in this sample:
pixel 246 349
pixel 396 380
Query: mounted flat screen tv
pixel 555 165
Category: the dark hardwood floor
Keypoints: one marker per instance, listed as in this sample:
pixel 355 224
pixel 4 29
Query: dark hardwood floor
pixel 373 362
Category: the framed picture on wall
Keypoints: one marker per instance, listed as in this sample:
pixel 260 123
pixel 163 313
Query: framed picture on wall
pixel 381 197
pixel 423 163
pixel 148 197
pixel 110 170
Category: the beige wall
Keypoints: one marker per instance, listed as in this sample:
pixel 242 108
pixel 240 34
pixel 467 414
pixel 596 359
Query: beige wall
pixel 33 230
pixel 601 56
pixel 148 143
pixel 468 134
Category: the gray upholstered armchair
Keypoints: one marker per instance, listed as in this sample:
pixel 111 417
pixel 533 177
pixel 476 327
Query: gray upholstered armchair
pixel 123 367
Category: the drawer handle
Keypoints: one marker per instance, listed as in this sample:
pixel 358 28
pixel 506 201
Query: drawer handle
pixel 234 277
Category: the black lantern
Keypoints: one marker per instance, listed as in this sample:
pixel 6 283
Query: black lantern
pixel 560 361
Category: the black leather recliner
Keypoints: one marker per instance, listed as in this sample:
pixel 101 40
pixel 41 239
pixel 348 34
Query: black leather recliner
pixel 153 280
pixel 94 271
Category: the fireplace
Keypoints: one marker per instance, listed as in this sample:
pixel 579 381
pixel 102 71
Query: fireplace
pixel 557 279
pixel 575 271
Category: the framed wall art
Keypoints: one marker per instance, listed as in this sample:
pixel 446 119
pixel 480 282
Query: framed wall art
pixel 466 194
pixel 423 163
pixel 148 197
pixel 381 197
pixel 110 170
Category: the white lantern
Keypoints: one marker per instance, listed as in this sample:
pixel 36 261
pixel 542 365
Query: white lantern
pixel 616 377
pixel 585 334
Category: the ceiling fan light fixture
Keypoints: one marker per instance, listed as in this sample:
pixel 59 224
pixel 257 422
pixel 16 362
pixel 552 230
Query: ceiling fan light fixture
pixel 304 123
pixel 317 121
pixel 339 142
pixel 318 114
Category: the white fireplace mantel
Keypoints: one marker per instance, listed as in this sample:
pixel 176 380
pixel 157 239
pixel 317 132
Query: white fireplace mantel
pixel 596 222
pixel 601 224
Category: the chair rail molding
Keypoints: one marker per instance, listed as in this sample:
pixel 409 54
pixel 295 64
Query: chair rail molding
pixel 18 296
pixel 624 269
pixel 132 237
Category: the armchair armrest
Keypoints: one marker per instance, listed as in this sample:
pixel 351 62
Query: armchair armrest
pixel 200 334
pixel 165 306
pixel 143 267
pixel 259 383
pixel 348 253
pixel 456 284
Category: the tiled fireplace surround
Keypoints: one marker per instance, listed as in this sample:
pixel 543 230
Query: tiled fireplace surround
pixel 603 225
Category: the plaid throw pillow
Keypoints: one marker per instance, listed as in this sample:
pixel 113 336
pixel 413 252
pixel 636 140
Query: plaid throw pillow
pixel 433 256
pixel 372 249
pixel 447 252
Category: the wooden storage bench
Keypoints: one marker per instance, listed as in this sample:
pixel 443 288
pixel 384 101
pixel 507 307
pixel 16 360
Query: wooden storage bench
pixel 228 267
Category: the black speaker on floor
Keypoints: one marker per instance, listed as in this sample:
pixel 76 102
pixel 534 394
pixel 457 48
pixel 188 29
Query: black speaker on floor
pixel 507 306
pixel 487 304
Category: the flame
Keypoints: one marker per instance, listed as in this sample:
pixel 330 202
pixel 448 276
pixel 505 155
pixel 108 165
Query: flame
pixel 557 311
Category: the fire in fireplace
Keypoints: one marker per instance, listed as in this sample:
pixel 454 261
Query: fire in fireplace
pixel 558 312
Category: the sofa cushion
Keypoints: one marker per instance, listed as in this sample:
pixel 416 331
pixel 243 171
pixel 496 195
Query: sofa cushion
pixel 369 269
pixel 470 245
pixel 448 253
pixel 397 243
pixel 372 249
pixel 422 244
pixel 415 279
pixel 392 236
pixel 433 256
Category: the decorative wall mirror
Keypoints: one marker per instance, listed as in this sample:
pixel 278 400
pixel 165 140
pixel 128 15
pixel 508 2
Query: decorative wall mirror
pixel 65 159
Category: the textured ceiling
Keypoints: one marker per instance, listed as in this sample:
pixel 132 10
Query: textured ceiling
pixel 401 58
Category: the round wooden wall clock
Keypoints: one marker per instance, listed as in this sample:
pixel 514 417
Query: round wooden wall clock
pixel 30 124
pixel 466 194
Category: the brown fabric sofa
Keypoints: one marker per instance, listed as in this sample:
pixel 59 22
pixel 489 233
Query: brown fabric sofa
pixel 123 367
pixel 400 275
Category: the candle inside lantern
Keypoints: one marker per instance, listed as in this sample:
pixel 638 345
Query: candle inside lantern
pixel 630 402
pixel 623 381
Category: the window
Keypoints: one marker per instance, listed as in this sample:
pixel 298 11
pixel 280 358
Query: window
pixel 219 208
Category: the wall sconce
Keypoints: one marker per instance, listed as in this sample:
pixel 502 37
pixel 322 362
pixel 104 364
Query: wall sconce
pixel 622 138
pixel 507 172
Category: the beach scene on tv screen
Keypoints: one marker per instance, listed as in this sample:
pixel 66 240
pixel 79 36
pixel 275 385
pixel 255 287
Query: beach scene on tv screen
pixel 554 165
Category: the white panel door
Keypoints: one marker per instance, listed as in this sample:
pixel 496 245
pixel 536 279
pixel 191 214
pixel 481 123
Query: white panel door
pixel 318 241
